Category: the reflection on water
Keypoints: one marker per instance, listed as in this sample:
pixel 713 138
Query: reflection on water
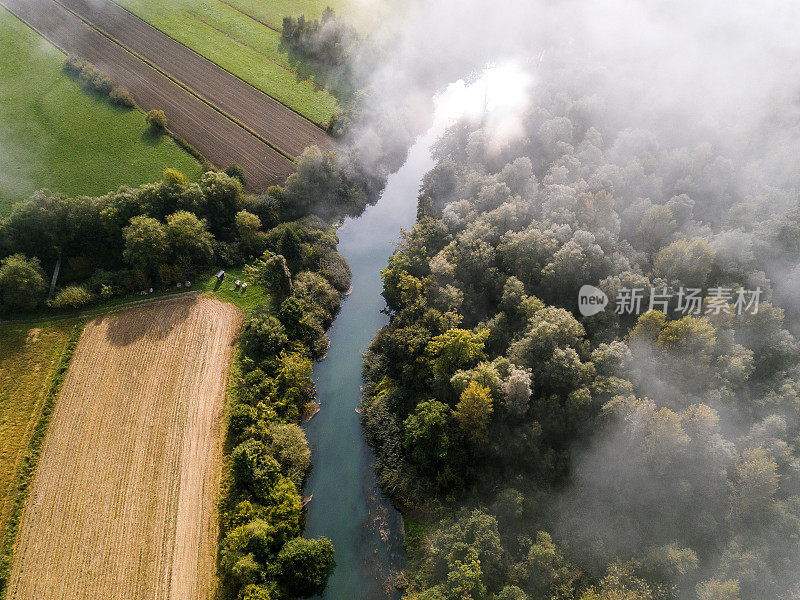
pixel 347 505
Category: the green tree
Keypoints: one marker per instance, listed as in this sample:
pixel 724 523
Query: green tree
pixel 290 246
pixel 304 565
pixel 294 387
pixel 318 295
pixel 688 336
pixel 453 350
pixel 248 227
pixel 473 412
pixel 549 328
pixel 146 243
pixel 287 443
pixel 756 482
pixel 544 566
pixel 189 239
pixel 619 583
pixel 271 271
pixel 263 336
pixel 713 589
pixel 687 262
pixel 223 197
pixel 21 282
pixel 428 435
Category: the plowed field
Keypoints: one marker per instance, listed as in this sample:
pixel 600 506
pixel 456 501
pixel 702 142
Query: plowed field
pixel 220 139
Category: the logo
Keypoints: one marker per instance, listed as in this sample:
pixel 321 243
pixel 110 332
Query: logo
pixel 591 300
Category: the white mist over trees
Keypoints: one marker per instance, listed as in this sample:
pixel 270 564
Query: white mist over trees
pixel 614 456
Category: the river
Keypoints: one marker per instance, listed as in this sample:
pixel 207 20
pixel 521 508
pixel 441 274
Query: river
pixel 347 505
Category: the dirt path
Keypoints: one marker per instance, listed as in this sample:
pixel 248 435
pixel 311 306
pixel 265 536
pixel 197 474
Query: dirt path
pixel 217 137
pixel 123 503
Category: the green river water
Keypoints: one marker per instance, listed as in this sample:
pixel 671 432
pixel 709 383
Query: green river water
pixel 347 505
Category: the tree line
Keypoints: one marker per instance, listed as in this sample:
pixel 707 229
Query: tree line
pixel 161 233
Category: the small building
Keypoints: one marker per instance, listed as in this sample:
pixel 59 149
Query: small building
pixel 220 275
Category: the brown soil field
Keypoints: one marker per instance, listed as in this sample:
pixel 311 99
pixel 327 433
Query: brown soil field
pixel 219 139
pixel 123 503
pixel 270 119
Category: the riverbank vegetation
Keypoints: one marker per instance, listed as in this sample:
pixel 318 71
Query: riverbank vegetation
pixel 262 554
pixel 548 455
pixel 52 129
pixel 164 233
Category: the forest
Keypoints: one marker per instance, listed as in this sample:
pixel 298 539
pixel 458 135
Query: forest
pixel 537 453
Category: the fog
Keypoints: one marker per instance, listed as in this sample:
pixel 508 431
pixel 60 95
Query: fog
pixel 723 72
pixel 662 81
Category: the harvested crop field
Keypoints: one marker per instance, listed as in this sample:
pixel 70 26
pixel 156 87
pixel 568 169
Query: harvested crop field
pixel 123 502
pixel 218 138
pixel 28 360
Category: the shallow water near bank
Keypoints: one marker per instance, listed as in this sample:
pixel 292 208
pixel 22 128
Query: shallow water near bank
pixel 347 505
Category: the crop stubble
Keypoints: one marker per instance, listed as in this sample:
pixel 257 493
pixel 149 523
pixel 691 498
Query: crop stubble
pixel 123 502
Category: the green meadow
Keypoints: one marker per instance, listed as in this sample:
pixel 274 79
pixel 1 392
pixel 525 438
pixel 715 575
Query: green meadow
pixel 55 135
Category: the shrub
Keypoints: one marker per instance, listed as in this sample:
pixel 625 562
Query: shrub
pixel 264 336
pixel 73 296
pixel 21 282
pixel 94 80
pixel 175 177
pixel 304 566
pixel 119 96
pixel 336 270
pixel 74 64
pixel 241 418
pixel 255 592
pixel 236 172
pixel 157 120
pixel 287 443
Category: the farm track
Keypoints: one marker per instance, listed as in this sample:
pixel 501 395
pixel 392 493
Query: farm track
pixel 215 135
pixel 275 122
pixel 123 503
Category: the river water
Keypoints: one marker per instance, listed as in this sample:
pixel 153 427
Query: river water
pixel 347 505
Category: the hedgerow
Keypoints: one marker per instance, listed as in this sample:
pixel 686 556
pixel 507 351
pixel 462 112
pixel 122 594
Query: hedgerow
pixel 96 81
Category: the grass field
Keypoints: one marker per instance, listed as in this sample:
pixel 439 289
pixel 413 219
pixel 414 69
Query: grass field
pixel 243 36
pixel 55 135
pixel 228 292
pixel 139 424
pixel 28 359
